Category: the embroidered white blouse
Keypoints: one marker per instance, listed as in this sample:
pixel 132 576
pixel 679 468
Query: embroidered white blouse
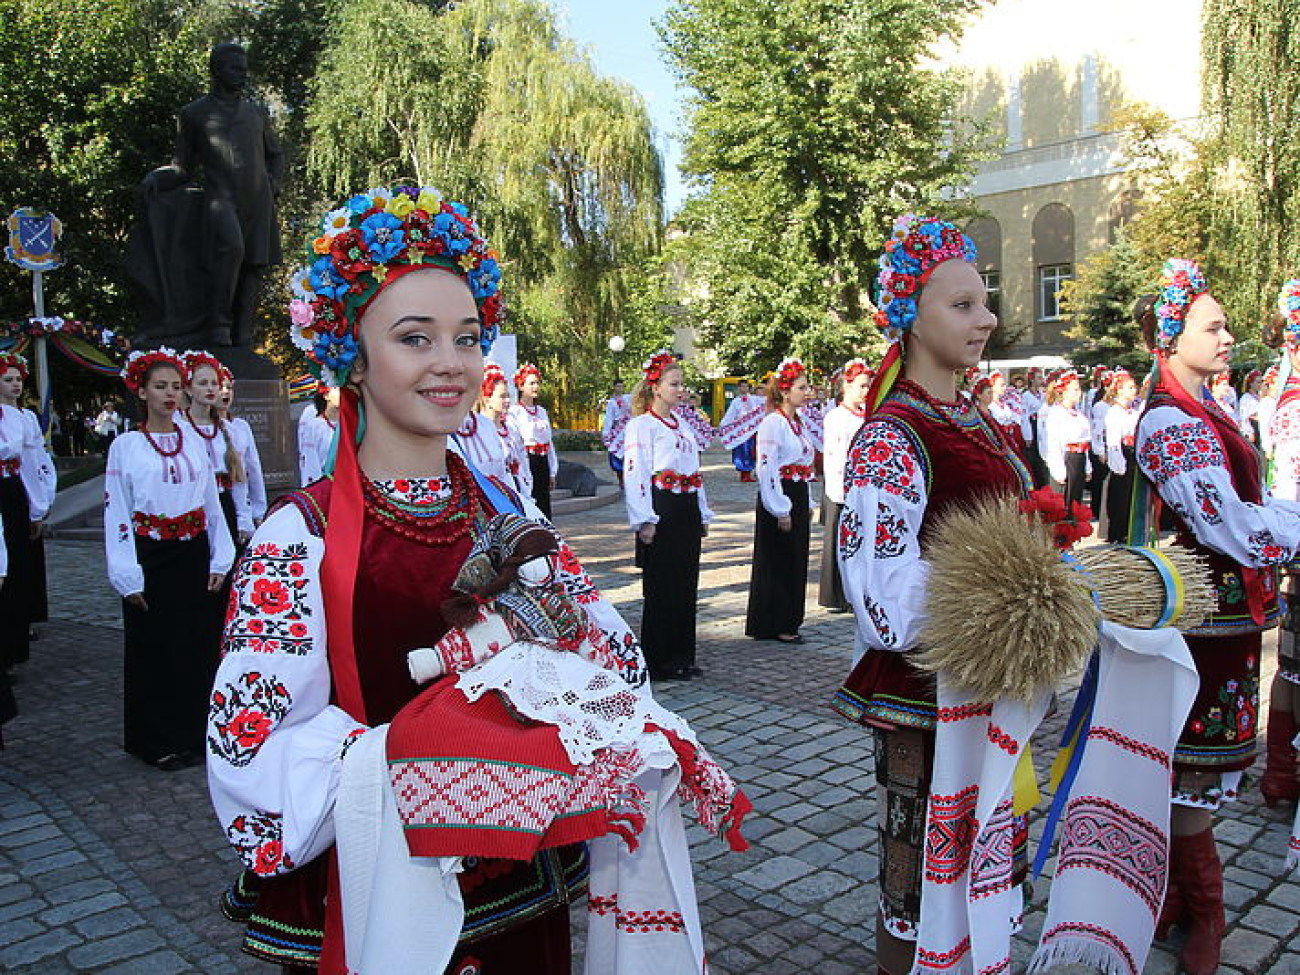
pixel 618 411
pixel 1182 458
pixel 534 427
pixel 1120 423
pixel 1284 435
pixel 841 424
pixel 879 538
pixel 214 445
pixel 314 439
pixel 139 478
pixel 1097 425
pixel 1267 408
pixel 1247 410
pixel 246 447
pixel 1031 405
pixel 780 444
pixel 21 441
pixel 276 743
pixel 741 420
pixel 1006 411
pixel 651 446
pixel 495 451
pixel 1063 427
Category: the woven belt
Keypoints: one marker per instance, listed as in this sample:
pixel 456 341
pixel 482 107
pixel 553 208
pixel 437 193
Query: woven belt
pixel 678 483
pixel 538 449
pixel 11 467
pixel 1128 441
pixel 163 529
pixel 797 472
pixel 1077 448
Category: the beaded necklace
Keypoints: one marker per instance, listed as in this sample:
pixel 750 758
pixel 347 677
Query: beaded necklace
pixel 216 427
pixel 180 441
pixel 664 420
pixel 434 523
pixel 795 424
pixel 992 442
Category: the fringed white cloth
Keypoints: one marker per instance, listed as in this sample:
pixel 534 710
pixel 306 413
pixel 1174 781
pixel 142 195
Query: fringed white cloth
pixel 1111 875
pixel 1113 861
pixel 969 906
pixel 402 915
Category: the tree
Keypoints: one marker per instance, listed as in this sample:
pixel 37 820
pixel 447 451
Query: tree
pixel 492 104
pixel 811 125
pixel 1100 301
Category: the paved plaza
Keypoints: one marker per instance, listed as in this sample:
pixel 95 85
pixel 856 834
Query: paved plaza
pixel 107 865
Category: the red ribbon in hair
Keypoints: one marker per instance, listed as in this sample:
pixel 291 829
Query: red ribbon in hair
pixel 342 557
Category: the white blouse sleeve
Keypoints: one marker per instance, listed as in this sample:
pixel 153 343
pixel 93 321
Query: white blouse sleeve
pixel 221 545
pixel 275 742
pixel 878 539
pixel 552 455
pixel 1284 435
pixel 1114 437
pixel 253 468
pixel 1181 456
pixel 638 469
pixel 4 552
pixel 707 514
pixel 769 466
pixel 1054 447
pixel 37 471
pixel 124 572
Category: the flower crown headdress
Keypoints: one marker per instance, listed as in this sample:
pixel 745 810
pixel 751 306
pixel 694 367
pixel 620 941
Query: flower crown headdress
pixel 855 368
pixel 981 384
pixel 1251 377
pixel 139 363
pixel 1061 379
pixel 1181 283
pixel 788 373
pixel 368 243
pixel 12 360
pixel 524 371
pixel 492 374
pixel 652 369
pixel 917 247
pixel 1288 303
pixel 194 358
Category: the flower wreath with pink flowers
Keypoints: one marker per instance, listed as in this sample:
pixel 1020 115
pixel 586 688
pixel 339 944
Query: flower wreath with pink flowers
pixel 1181 283
pixel 918 245
pixel 362 244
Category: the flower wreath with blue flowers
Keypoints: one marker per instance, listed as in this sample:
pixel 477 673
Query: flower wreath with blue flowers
pixel 917 246
pixel 1288 303
pixel 1181 282
pixel 372 234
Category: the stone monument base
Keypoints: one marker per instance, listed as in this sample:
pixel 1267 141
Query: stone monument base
pixel 264 404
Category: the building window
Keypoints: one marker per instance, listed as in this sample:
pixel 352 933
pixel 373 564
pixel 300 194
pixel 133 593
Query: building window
pixel 1050 279
pixel 993 285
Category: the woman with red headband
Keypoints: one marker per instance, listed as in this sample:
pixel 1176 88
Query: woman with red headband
pixel 203 422
pixel 1119 437
pixel 1192 455
pixel 490 443
pixel 168 551
pixel 842 423
pixel 1067 436
pixel 663 488
pixel 245 446
pixel 782 516
pixel 923 450
pixel 343 608
pixel 27 486
pixel 534 425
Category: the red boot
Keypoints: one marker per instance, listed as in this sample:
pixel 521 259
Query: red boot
pixel 1173 910
pixel 1199 875
pixel 1280 782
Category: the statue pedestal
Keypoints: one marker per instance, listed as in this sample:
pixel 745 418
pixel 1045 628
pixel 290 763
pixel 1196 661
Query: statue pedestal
pixel 264 404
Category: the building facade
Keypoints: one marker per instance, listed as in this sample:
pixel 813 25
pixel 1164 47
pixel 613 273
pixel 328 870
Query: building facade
pixel 1049 78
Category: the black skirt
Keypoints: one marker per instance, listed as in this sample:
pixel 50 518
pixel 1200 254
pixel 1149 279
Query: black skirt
pixel 170 663
pixel 670 583
pixel 539 466
pixel 780 571
pixel 1119 498
pixel 830 592
pixel 15 594
pixel 1076 475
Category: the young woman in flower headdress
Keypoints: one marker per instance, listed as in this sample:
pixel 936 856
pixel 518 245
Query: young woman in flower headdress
pixel 842 423
pixel 663 488
pixel 491 443
pixel 245 446
pixel 1192 455
pixel 1248 406
pixel 27 486
pixel 922 451
pixel 168 551
pixel 1120 437
pixel 783 514
pixel 342 609
pixel 532 421
pixel 1281 779
pixel 1067 438
pixel 203 422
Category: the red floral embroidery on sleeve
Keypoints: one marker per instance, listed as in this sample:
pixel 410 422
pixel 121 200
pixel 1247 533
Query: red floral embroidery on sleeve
pixel 1178 449
pixel 268 610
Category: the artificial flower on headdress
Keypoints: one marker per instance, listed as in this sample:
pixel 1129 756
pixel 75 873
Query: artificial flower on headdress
pixel 1118 376
pixel 855 368
pixel 1181 283
pixel 1251 377
pixel 492 374
pixel 788 373
pixel 524 371
pixel 195 358
pixel 138 364
pixel 12 360
pixel 368 242
pixel 653 368
pixel 1288 303
pixel 981 384
pixel 1060 379
pixel 918 245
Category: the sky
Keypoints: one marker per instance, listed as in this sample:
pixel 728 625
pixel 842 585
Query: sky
pixel 621 38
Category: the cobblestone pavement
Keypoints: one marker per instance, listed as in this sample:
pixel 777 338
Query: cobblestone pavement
pixel 109 866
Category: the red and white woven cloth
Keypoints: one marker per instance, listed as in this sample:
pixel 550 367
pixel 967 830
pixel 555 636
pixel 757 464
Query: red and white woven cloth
pixel 1114 845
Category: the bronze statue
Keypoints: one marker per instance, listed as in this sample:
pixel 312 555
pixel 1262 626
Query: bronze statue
pixel 207 227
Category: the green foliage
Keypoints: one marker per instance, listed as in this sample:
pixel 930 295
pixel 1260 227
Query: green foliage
pixel 811 125
pixel 1099 302
pixel 492 104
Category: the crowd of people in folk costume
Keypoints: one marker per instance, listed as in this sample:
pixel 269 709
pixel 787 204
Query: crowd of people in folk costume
pixel 426 731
